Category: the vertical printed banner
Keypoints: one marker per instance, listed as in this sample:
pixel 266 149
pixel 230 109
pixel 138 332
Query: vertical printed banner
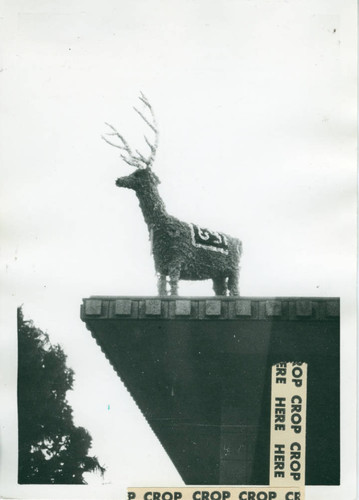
pixel 288 424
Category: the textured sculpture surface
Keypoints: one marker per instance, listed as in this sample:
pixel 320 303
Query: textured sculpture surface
pixel 181 251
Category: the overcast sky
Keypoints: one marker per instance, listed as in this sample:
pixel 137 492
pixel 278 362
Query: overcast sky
pixel 255 103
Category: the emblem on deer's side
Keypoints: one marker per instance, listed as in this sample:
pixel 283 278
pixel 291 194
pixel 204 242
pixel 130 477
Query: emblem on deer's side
pixel 181 251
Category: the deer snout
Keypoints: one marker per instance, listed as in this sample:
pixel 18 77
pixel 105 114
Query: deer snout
pixel 124 182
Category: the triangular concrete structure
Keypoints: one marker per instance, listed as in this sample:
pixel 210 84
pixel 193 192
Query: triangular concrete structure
pixel 199 371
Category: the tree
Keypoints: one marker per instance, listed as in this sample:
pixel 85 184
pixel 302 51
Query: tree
pixel 52 450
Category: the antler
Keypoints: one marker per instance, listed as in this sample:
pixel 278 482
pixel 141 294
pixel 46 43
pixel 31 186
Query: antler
pixel 137 159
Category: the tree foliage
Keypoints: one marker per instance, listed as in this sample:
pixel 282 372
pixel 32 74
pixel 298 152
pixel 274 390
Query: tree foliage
pixel 52 450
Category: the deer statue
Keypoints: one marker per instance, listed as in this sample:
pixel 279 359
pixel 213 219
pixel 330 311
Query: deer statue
pixel 181 251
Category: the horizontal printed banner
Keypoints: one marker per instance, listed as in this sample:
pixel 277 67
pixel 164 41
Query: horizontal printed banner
pixel 288 424
pixel 216 493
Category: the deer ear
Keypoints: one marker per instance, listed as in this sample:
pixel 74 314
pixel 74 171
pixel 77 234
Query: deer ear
pixel 153 176
pixel 156 179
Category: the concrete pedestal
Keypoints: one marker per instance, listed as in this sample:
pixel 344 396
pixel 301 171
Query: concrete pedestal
pixel 199 370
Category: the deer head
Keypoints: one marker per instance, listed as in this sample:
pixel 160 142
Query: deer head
pixel 143 176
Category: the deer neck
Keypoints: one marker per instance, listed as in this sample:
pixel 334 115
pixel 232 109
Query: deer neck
pixel 152 205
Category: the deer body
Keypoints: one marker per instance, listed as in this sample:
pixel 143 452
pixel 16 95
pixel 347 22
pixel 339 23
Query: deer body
pixel 181 251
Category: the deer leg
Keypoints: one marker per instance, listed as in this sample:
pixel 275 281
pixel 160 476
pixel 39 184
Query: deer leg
pixel 233 284
pixel 220 286
pixel 161 284
pixel 174 278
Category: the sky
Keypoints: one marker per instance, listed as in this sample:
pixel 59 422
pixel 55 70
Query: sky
pixel 255 104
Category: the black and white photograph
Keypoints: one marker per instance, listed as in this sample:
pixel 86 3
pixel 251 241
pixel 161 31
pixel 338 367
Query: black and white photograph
pixel 178 237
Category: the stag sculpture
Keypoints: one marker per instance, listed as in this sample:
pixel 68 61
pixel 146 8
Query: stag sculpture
pixel 181 250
